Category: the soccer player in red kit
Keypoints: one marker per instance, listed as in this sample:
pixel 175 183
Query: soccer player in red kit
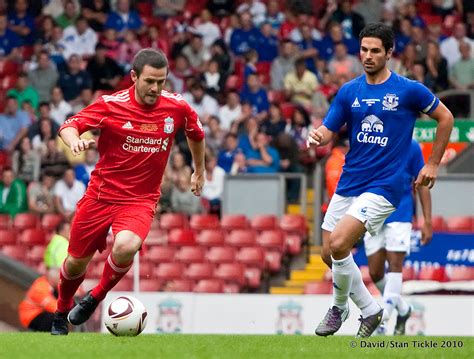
pixel 137 127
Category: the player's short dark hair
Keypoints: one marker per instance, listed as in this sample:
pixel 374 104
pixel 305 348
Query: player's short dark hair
pixel 151 57
pixel 380 31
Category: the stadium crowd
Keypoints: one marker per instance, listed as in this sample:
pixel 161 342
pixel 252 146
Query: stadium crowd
pixel 260 74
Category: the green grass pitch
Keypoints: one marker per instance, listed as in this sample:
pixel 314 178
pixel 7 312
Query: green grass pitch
pixel 102 346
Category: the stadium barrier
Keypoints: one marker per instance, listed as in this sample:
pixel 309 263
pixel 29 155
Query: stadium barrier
pixel 275 314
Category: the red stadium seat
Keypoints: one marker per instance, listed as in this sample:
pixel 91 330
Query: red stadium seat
pixel 232 273
pixel 211 238
pixel 460 224
pixel 157 237
pixel 218 255
pixel 5 221
pixel 461 273
pixel 150 285
pixel 50 221
pixel 198 271
pixel 294 224
pixel 209 286
pixel 190 254
pixel 229 222
pixel 14 251
pixel 146 269
pixel 432 273
pixel 408 273
pixel 170 221
pixel 125 285
pixel 241 238
pixel 272 240
pixel 293 244
pixel 322 287
pixel 31 237
pixel 438 223
pixel 8 237
pixel 263 70
pixel 273 261
pixel 276 96
pixel 181 237
pixel 169 271
pixel 177 285
pixel 200 222
pixel 252 257
pixel 287 110
pixel 24 221
pixel 158 254
pixel 35 254
pixel 264 222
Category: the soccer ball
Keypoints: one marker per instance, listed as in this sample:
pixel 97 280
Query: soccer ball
pixel 125 316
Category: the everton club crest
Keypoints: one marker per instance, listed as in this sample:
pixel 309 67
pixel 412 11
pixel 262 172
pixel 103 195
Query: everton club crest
pixel 390 102
pixel 169 125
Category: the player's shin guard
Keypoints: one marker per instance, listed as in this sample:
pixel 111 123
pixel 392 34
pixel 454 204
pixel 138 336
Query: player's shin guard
pixel 110 277
pixel 67 288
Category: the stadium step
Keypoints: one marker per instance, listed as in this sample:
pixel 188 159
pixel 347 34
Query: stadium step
pixel 307 275
pixel 296 283
pixel 286 290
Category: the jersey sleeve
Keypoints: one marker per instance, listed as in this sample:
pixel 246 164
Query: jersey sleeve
pixel 335 117
pixel 192 126
pixel 416 161
pixel 91 117
pixel 423 99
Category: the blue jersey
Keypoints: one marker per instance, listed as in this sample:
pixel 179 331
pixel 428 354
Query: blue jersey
pixel 380 120
pixel 404 212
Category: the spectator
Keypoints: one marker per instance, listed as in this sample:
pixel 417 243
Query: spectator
pixel 303 20
pixel 181 72
pixel 209 31
pixel 298 128
pixel 436 67
pixel 59 107
pixel 283 64
pixel 403 36
pixel 220 53
pixel 234 24
pixel 9 40
pixel 227 154
pixel 26 162
pixel 274 16
pixel 351 21
pixel 43 129
pixel 256 95
pixel 22 23
pixel 246 37
pixel 240 123
pixel 230 111
pixel 12 194
pixel 44 77
pixel 85 99
pixel 462 72
pixel 262 158
pixel 13 125
pixel 274 124
pixel 24 92
pixel 56 251
pixel 220 8
pixel 182 200
pixel 308 48
pixel 69 15
pixel 289 163
pixel 212 79
pixel 334 164
pixel 55 47
pixel 178 166
pixel 79 39
pixel 196 53
pixel 300 84
pixel 41 196
pixel 251 59
pixel 54 161
pixel 67 192
pixel 214 134
pixel 418 38
pixel 168 8
pixel 83 170
pixel 267 43
pixel 213 188
pixel 156 41
pixel 96 11
pixel 73 79
pixel 104 71
pixel 123 18
pixel 343 63
pixel 370 10
pixel 450 47
pixel 45 32
pixel 36 310
pixel 111 42
pixel 256 8
pixel 201 102
pixel 336 35
pixel 128 49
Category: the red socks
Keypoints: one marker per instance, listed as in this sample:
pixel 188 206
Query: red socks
pixel 67 288
pixel 110 277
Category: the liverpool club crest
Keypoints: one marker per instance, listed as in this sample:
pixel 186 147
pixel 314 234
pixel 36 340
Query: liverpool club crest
pixel 169 125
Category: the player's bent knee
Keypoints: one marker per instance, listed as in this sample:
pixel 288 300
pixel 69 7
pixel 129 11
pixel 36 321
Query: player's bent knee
pixel 326 257
pixel 338 245
pixel 75 266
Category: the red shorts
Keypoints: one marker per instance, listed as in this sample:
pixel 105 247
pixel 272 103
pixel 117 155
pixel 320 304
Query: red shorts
pixel 94 218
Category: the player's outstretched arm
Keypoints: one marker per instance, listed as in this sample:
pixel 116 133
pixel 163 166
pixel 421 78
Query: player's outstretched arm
pixel 424 194
pixel 319 136
pixel 429 172
pixel 197 178
pixel 70 137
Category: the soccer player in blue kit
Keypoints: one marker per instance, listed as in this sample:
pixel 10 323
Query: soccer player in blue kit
pixel 392 243
pixel 380 109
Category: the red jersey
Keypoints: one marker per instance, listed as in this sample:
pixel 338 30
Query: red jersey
pixel 134 143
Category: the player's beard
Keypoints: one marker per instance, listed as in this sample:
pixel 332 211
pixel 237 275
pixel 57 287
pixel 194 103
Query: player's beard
pixel 374 69
pixel 149 98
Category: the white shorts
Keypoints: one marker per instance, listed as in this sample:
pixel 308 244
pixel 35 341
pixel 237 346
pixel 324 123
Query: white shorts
pixel 394 237
pixel 369 208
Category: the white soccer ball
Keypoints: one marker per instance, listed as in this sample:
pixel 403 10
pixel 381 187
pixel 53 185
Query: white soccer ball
pixel 125 316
